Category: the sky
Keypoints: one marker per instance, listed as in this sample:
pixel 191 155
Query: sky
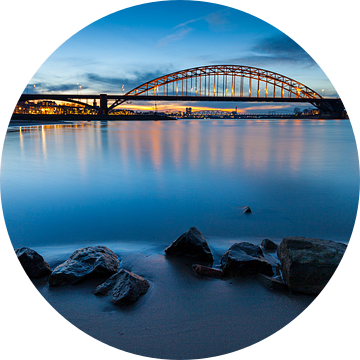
pixel 138 44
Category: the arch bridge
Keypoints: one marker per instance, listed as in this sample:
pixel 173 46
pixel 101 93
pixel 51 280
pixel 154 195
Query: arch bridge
pixel 234 83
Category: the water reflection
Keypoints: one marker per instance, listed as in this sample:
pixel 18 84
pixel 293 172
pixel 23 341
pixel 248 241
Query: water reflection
pixel 133 180
pixel 216 142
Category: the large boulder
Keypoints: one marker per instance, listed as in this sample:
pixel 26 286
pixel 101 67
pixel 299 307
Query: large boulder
pixel 193 244
pixel 307 264
pixel 242 259
pixel 124 287
pixel 33 263
pixel 88 261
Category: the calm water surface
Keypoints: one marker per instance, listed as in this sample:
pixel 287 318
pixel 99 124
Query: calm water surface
pixel 144 183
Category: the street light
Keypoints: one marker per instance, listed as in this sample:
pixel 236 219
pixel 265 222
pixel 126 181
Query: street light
pixel 35 89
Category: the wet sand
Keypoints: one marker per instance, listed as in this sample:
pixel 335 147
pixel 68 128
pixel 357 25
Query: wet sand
pixel 182 315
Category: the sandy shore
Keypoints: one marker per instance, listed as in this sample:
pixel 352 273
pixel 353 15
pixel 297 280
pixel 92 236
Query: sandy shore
pixel 182 315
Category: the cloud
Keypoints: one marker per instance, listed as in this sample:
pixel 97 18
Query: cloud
pixel 215 21
pixel 133 80
pixel 276 50
pixel 188 22
pixel 176 36
pixel 64 87
pixel 282 47
pixel 42 87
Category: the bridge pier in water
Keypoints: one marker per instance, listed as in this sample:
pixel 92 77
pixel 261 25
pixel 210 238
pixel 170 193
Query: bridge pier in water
pixel 103 109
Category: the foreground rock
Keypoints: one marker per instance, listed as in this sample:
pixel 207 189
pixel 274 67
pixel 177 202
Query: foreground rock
pixel 208 271
pixel 193 244
pixel 307 264
pixel 245 259
pixel 268 245
pixel 271 282
pixel 124 287
pixel 88 261
pixel 33 263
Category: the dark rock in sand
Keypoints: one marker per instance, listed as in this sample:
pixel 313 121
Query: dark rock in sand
pixel 33 263
pixel 88 261
pixel 208 271
pixel 242 259
pixel 250 249
pixel 193 244
pixel 271 282
pixel 247 210
pixel 124 287
pixel 307 264
pixel 268 244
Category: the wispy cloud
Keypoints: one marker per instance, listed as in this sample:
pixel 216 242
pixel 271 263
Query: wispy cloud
pixel 214 20
pixel 218 19
pixel 179 34
pixel 188 22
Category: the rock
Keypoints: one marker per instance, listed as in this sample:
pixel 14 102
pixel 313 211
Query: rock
pixel 271 282
pixel 88 261
pixel 250 249
pixel 247 210
pixel 268 244
pixel 208 271
pixel 33 263
pixel 307 264
pixel 193 244
pixel 124 287
pixel 237 262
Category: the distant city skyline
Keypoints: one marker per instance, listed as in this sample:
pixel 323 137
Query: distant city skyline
pixel 127 48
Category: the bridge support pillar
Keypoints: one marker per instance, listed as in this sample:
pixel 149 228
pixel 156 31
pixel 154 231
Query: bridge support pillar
pixel 333 108
pixel 103 109
pixel 339 109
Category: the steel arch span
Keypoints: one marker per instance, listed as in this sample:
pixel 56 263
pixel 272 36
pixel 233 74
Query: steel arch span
pixel 224 81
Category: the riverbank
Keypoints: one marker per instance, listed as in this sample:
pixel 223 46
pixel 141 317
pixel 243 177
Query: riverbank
pixel 182 315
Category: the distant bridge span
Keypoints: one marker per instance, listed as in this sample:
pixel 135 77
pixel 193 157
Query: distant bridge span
pixel 233 83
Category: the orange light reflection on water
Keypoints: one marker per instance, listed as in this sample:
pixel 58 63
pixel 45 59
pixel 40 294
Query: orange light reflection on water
pixel 179 142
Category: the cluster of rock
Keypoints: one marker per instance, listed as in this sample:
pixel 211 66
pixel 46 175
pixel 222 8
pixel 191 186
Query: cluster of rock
pixel 304 265
pixel 124 287
pixel 241 259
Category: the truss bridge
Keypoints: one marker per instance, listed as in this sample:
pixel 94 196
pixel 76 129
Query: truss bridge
pixel 234 83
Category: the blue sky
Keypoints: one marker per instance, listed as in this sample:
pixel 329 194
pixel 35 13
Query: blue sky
pixel 138 44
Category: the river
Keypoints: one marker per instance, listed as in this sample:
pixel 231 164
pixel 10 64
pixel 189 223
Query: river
pixel 142 184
